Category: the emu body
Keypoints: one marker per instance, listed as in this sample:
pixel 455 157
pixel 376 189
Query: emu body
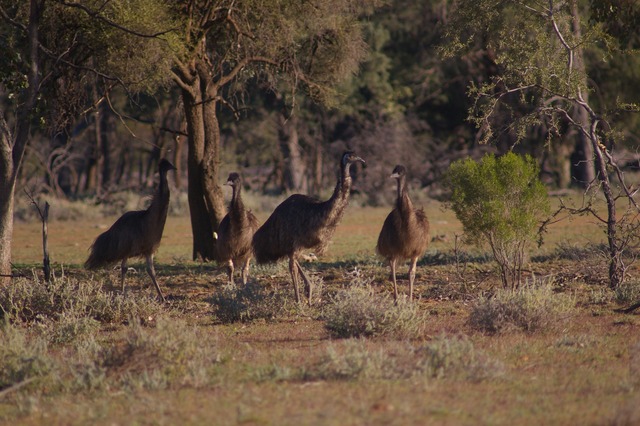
pixel 302 223
pixel 404 234
pixel 135 234
pixel 236 231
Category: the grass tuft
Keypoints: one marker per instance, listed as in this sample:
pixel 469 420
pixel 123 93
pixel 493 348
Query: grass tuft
pixel 171 355
pixel 354 362
pixel 67 300
pixel 357 311
pixel 247 303
pixel 22 357
pixel 531 308
pixel 456 356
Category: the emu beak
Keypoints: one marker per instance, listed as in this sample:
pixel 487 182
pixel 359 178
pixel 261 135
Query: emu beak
pixel 360 160
pixel 394 176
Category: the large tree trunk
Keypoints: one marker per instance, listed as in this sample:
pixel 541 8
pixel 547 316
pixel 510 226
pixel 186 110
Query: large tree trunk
pixel 295 167
pixel 583 160
pixel 206 201
pixel 7 183
pixel 201 228
pixel 12 150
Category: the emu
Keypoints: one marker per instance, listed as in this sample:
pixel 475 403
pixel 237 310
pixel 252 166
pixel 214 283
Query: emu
pixel 135 233
pixel 301 223
pixel 236 231
pixel 405 233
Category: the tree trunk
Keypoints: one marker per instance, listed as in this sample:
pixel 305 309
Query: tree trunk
pixel 583 157
pixel 11 154
pixel 295 167
pixel 7 184
pixel 203 243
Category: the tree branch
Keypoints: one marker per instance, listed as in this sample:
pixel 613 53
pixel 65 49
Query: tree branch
pixel 97 15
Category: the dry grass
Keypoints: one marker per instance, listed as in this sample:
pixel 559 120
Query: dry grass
pixel 96 357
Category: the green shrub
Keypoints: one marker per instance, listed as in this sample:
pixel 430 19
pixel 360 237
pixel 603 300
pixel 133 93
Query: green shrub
pixel 171 354
pixel 28 300
pixel 246 303
pixel 353 362
pixel 500 202
pixel 628 292
pixel 530 308
pixel 22 357
pixel 456 356
pixel 357 311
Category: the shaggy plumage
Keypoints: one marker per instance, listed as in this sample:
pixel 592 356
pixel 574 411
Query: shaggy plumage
pixel 405 233
pixel 236 232
pixel 135 234
pixel 304 223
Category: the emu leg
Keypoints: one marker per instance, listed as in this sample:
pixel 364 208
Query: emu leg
pixel 152 273
pixel 245 271
pixel 412 276
pixel 123 272
pixel 307 281
pixel 230 270
pixel 392 263
pixel 294 277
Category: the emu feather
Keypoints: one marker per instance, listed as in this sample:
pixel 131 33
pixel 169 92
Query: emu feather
pixel 135 234
pixel 404 234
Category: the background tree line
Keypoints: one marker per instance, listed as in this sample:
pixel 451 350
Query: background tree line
pixel 95 93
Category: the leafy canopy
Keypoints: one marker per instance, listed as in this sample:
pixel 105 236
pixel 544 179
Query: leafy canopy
pixel 499 199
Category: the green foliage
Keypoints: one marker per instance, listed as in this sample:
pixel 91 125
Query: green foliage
pixel 68 299
pixel 499 201
pixel 247 303
pixel 531 308
pixel 628 291
pixel 170 355
pixel 456 356
pixel 357 311
pixel 22 357
pixel 355 362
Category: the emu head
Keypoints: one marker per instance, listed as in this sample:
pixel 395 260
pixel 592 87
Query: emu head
pixel 234 180
pixel 350 157
pixel 398 172
pixel 165 166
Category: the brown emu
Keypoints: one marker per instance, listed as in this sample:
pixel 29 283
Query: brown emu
pixel 236 231
pixel 405 233
pixel 135 233
pixel 301 222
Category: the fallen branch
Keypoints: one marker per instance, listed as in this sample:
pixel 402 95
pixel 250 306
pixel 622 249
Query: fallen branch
pixel 14 387
pixel 629 309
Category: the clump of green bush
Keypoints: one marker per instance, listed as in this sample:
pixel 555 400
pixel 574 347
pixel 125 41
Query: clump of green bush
pixel 23 358
pixel 168 355
pixel 357 311
pixel 247 303
pixel 64 299
pixel 355 361
pixel 456 356
pixel 501 202
pixel 530 308
pixel 444 357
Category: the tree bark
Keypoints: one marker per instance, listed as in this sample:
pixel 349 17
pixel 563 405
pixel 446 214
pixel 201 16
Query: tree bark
pixel 12 149
pixel 584 161
pixel 7 184
pixel 206 200
pixel 295 167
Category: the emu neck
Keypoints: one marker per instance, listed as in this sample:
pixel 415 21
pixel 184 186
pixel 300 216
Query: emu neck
pixel 403 201
pixel 343 187
pixel 335 206
pixel 236 206
pixel 160 202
